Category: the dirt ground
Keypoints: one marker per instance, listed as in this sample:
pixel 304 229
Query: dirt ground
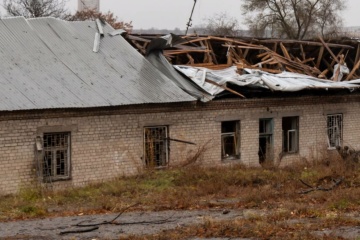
pixel 140 223
pixel 51 228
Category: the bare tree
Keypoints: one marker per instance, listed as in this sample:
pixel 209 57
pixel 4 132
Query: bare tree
pixel 92 14
pixel 36 8
pixel 296 19
pixel 221 25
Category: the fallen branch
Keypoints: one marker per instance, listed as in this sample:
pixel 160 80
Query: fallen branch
pixel 106 222
pixel 320 188
pixel 95 226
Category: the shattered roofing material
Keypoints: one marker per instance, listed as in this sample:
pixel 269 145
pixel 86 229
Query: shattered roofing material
pixel 284 82
pixel 49 63
pixel 159 61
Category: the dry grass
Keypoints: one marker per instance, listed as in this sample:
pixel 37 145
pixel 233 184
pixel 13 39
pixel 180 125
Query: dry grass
pixel 257 228
pixel 272 190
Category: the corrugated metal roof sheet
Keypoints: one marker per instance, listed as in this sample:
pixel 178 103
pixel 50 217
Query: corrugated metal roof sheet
pixel 49 63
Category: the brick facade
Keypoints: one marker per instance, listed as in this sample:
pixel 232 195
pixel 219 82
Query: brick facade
pixel 108 142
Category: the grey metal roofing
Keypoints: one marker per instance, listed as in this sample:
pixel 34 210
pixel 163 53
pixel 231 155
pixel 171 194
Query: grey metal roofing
pixel 48 63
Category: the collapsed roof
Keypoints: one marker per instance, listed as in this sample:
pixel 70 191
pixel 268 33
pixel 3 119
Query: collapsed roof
pixel 274 72
pixel 48 63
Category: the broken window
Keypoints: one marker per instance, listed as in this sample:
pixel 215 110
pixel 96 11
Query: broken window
pixel 230 140
pixel 156 146
pixel 334 130
pixel 56 158
pixel 265 140
pixel 290 127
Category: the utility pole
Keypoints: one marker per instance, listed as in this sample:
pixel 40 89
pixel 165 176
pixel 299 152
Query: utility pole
pixel 189 24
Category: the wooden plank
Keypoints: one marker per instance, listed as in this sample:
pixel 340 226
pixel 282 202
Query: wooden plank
pixel 275 47
pixel 139 47
pixel 185 51
pixel 329 50
pixel 310 43
pixel 235 55
pixel 246 52
pixel 308 60
pixel 233 41
pixel 356 67
pixel 266 57
pixel 245 47
pixel 241 55
pixel 224 87
pixel 297 60
pixel 329 67
pixel 209 46
pixel 320 56
pixel 292 70
pixel 194 40
pixel 261 55
pixel 264 62
pixel 229 56
pixel 323 73
pixel 357 53
pixel 191 60
pixel 285 52
pixel 333 61
pixel 302 52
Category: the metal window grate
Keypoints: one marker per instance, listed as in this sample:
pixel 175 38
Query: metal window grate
pixel 56 161
pixel 334 130
pixel 156 146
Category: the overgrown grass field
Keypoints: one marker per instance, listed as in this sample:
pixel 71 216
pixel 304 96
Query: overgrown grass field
pixel 275 190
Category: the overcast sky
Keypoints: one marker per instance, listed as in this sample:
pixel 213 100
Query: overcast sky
pixel 175 13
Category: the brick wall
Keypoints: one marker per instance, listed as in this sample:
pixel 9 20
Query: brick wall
pixel 106 143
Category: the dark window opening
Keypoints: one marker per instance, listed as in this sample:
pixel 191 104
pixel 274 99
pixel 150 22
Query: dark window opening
pixel 156 146
pixel 290 128
pixel 230 140
pixel 56 161
pixel 334 130
pixel 265 140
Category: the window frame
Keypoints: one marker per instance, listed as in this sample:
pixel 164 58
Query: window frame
pixel 236 139
pixel 165 141
pixel 286 135
pixel 54 151
pixel 268 136
pixel 334 138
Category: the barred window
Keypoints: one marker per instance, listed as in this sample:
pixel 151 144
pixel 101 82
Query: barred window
pixel 334 130
pixel 56 160
pixel 156 146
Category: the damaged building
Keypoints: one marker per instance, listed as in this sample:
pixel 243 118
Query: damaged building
pixel 79 104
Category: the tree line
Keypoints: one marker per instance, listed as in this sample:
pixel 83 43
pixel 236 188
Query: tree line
pixel 294 19
pixel 57 8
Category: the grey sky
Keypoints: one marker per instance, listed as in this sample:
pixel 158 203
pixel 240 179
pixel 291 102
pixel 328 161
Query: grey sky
pixel 175 13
